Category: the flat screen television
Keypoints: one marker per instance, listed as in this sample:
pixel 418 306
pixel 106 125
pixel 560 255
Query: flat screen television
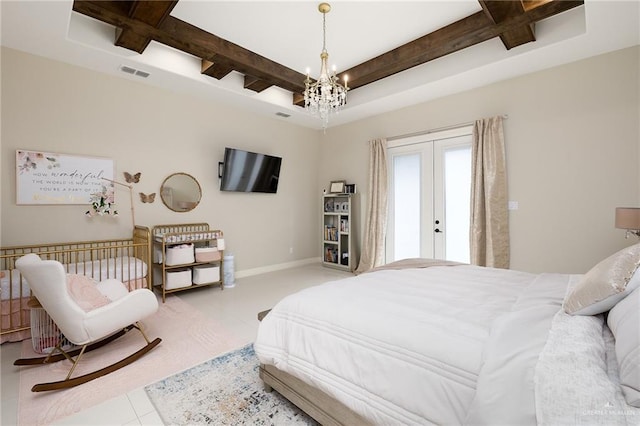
pixel 244 171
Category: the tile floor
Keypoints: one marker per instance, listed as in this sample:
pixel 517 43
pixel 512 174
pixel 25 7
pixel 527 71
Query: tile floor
pixel 235 307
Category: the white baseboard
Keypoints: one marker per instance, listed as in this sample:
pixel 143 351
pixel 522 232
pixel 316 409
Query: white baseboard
pixel 277 267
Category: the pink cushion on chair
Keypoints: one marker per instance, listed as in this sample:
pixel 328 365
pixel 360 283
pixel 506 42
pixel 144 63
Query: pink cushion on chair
pixel 84 292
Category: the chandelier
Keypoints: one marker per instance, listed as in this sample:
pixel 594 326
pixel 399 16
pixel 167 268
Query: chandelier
pixel 325 95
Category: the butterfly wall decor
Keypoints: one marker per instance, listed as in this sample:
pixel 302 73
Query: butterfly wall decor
pixel 150 198
pixel 132 178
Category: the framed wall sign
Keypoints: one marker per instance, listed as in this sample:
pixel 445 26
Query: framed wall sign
pixel 50 178
pixel 336 187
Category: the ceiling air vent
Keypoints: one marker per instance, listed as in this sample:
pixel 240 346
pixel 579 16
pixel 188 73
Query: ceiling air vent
pixel 127 70
pixel 134 71
pixel 282 114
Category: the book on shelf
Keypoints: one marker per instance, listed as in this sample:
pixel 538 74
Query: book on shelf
pixel 330 255
pixel 330 233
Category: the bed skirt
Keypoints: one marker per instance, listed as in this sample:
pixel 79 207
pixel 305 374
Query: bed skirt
pixel 15 311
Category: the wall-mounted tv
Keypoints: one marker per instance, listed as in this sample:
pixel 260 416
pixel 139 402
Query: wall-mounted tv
pixel 244 171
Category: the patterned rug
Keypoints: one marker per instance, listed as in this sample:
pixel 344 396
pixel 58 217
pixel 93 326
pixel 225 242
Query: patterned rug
pixel 223 391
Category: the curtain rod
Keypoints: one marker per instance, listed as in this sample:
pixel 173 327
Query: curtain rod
pixel 439 129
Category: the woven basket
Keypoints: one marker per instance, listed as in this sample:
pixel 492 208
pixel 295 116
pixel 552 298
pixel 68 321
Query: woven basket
pixel 45 334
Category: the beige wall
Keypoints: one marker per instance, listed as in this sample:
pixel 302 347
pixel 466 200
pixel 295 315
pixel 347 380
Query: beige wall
pixel 573 150
pixel 53 107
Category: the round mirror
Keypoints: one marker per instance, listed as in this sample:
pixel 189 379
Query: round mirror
pixel 180 192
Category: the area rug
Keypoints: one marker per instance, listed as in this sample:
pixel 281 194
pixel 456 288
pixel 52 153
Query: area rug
pixel 188 338
pixel 225 390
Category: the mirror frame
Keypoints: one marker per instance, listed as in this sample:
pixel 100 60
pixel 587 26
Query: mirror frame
pixel 171 207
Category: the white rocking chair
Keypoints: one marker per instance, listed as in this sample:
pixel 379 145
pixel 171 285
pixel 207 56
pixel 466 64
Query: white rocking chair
pixel 88 330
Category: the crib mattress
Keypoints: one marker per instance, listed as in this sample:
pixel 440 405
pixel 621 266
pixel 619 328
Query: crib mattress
pixel 124 269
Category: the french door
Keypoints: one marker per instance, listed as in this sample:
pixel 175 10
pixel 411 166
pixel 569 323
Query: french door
pixel 429 196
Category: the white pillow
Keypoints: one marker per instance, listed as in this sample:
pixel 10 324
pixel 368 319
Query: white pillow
pixel 624 322
pixel 606 283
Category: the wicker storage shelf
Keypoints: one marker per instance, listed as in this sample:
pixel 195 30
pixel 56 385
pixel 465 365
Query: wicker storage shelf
pixel 187 256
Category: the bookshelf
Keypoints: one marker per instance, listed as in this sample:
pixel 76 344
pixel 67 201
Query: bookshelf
pixel 337 237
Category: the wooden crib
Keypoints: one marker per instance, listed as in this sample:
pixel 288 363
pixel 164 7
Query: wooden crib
pixel 127 260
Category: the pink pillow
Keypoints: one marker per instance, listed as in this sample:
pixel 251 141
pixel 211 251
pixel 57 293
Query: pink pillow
pixel 84 292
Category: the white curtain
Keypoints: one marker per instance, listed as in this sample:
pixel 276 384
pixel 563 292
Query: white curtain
pixel 489 231
pixel 376 219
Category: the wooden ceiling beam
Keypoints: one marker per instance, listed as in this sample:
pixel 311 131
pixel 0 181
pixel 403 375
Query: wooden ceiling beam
pixel 498 11
pixel 188 38
pixel 145 19
pixel 532 4
pixel 216 71
pixel 255 84
pixel 464 33
pixel 149 12
pixel 192 40
pixel 298 99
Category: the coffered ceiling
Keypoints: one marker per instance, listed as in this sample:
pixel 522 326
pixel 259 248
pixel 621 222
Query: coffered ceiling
pixel 254 54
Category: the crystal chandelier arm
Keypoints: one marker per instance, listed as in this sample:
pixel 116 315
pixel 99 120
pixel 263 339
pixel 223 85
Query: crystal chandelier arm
pixel 324 31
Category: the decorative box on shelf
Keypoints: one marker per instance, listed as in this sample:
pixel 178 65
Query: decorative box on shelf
pixel 178 278
pixel 203 274
pixel 181 254
pixel 207 254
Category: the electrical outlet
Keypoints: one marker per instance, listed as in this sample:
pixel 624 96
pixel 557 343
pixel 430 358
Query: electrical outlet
pixel 513 205
pixel 290 250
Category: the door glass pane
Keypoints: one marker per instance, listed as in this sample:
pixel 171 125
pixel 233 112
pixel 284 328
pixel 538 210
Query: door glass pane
pixel 406 187
pixel 457 170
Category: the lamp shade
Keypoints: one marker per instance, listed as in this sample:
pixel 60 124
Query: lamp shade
pixel 628 218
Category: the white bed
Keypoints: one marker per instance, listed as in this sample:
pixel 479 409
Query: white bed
pixel 447 345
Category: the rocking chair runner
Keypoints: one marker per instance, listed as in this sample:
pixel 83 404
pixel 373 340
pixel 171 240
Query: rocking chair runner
pixel 88 330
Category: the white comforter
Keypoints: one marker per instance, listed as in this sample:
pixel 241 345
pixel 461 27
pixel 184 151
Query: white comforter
pixel 577 377
pixel 443 345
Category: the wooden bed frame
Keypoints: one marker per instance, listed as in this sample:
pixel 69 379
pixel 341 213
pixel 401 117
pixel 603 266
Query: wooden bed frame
pixel 14 310
pixel 321 407
pixel 318 405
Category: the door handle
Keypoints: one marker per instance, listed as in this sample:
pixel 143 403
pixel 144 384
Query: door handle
pixel 438 230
